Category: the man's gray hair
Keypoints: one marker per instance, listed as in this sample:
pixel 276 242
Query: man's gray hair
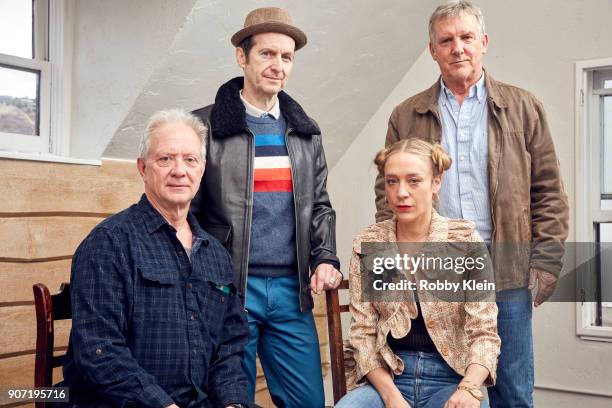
pixel 172 116
pixel 455 8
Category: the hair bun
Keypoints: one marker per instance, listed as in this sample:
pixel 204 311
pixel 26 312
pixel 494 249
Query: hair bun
pixel 441 159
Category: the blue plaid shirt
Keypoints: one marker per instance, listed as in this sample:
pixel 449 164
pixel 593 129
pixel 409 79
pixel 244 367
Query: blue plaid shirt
pixel 149 327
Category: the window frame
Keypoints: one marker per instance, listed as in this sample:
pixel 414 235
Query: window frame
pixel 28 143
pixel 52 51
pixel 589 167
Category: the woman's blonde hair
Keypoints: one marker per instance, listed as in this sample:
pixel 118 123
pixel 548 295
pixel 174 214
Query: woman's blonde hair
pixel 440 160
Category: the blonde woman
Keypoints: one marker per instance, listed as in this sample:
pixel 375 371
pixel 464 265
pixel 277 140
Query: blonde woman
pixel 417 354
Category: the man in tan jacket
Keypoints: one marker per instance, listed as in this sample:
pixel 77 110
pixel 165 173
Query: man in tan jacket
pixel 505 177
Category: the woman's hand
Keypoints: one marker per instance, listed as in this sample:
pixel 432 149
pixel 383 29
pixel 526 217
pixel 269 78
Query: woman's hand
pixel 462 399
pixel 382 381
pixel 397 402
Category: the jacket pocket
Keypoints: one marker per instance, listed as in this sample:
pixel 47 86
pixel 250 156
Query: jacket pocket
pixel 222 233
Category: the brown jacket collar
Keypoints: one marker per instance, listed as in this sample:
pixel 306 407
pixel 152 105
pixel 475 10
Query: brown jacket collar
pixel 428 100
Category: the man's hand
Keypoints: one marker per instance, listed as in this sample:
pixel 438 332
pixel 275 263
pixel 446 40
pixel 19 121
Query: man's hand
pixel 462 399
pixel 172 406
pixel 546 282
pixel 325 277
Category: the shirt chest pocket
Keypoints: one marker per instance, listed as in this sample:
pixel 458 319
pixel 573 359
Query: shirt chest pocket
pixel 213 303
pixel 158 297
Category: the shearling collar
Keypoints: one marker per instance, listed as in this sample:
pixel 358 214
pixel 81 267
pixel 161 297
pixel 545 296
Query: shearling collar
pixel 228 116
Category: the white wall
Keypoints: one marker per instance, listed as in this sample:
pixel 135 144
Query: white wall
pixel 356 54
pixel 351 180
pixel 534 44
pixel 117 45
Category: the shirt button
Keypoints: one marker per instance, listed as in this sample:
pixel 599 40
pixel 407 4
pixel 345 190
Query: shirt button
pixel 189 286
pixel 98 352
pixel 193 317
pixel 195 351
pixel 462 158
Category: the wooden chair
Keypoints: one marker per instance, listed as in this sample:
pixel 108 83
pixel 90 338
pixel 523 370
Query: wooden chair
pixel 336 347
pixel 48 309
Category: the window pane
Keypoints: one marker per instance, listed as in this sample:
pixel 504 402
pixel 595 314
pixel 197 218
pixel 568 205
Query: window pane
pixel 16 28
pixel 602 79
pixel 18 101
pixel 605 308
pixel 606 158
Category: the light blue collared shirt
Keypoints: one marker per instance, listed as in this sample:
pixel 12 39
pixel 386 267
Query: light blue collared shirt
pixel 465 186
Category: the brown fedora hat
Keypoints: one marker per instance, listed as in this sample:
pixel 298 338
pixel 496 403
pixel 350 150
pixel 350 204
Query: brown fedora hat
pixel 270 20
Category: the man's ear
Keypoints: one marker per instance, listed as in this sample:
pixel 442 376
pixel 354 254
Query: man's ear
pixel 140 163
pixel 432 51
pixel 485 43
pixel 241 57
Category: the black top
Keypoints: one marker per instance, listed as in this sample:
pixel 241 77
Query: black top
pixel 417 338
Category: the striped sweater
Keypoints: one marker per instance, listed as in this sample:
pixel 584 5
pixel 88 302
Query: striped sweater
pixel 272 250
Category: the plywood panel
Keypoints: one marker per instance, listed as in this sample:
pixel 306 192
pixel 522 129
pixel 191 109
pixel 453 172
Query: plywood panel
pixel 24 405
pixel 43 237
pixel 16 279
pixel 18 328
pixel 19 372
pixel 53 187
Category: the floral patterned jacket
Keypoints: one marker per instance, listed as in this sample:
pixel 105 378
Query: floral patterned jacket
pixel 463 332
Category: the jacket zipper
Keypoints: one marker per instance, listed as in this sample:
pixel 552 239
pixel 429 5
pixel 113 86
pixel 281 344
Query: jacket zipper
pixel 248 219
pixel 295 213
pixel 332 232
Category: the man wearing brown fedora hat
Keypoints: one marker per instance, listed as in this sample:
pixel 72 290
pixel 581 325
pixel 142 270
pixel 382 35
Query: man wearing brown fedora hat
pixel 263 196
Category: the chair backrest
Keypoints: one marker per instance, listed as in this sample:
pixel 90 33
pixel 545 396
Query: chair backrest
pixel 48 309
pixel 336 347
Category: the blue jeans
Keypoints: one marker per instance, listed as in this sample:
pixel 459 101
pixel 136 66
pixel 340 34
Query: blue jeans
pixel 427 382
pixel 285 340
pixel 514 386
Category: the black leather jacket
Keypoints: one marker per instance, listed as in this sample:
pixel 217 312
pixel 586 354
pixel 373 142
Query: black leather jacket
pixel 223 205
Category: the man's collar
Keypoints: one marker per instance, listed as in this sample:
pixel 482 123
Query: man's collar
pixel 153 220
pixel 478 89
pixel 428 99
pixel 253 110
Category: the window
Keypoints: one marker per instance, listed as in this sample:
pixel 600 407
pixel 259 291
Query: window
pixel 24 76
pixel 35 47
pixel 594 190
